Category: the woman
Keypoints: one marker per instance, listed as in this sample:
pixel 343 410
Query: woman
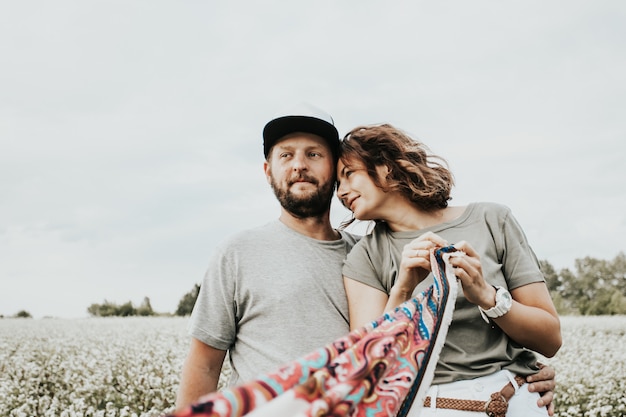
pixel 504 309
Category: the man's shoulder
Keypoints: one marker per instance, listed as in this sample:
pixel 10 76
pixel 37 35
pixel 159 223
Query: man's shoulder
pixel 271 227
pixel 250 235
pixel 275 232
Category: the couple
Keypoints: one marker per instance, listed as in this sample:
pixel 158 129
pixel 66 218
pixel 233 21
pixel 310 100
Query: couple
pixel 274 293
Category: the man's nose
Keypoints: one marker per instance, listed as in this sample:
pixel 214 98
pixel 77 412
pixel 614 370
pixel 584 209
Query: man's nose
pixel 299 162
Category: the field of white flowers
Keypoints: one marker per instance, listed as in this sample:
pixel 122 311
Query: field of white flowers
pixel 123 367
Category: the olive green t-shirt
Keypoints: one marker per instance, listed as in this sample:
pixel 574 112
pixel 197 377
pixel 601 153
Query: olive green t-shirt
pixel 473 347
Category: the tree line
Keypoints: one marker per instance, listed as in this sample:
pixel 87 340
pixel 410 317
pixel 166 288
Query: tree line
pixel 594 287
pixel 108 309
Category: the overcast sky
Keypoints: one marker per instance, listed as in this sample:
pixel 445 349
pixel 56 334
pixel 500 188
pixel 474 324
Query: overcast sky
pixel 130 131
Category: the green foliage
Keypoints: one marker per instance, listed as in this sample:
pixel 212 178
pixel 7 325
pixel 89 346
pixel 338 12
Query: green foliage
pixel 145 309
pixel 551 276
pixel 109 309
pixel 596 287
pixel 185 305
pixel 24 314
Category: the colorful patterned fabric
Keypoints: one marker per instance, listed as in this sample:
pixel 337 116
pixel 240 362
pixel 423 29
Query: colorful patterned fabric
pixel 377 370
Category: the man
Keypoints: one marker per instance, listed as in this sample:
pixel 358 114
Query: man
pixel 275 293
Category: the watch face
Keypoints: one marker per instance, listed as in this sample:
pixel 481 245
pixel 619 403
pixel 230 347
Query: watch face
pixel 504 301
pixel 504 298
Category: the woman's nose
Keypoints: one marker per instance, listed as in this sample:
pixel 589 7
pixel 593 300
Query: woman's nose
pixel 341 190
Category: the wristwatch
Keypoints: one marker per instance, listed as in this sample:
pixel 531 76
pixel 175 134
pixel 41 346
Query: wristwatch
pixel 504 301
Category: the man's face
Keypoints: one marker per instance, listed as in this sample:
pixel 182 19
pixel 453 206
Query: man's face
pixel 301 170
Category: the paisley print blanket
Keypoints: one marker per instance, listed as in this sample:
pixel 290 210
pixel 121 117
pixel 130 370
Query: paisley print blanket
pixel 380 369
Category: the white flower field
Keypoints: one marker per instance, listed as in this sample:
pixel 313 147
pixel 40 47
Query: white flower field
pixel 123 367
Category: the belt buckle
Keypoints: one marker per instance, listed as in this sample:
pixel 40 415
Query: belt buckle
pixel 499 398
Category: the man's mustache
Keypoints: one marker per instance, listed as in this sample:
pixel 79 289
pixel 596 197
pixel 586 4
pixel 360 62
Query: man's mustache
pixel 301 177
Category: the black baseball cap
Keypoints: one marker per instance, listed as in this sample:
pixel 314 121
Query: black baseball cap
pixel 303 117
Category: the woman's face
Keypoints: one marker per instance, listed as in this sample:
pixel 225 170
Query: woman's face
pixel 358 192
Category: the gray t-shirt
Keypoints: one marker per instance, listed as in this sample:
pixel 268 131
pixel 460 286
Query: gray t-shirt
pixel 271 295
pixel 473 348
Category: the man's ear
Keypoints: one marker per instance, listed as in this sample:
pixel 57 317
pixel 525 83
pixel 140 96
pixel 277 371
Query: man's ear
pixel 266 169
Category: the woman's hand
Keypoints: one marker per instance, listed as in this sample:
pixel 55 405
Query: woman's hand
pixel 414 267
pixel 469 271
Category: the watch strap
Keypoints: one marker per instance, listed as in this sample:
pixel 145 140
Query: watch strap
pixel 495 311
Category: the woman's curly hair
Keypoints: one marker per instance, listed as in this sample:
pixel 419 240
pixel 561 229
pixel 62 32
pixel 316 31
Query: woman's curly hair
pixel 422 177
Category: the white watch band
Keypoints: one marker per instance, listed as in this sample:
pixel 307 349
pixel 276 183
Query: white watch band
pixel 504 302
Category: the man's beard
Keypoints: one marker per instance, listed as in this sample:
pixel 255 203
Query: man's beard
pixel 315 204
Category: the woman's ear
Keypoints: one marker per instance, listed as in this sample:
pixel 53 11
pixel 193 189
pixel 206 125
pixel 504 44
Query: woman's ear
pixel 383 171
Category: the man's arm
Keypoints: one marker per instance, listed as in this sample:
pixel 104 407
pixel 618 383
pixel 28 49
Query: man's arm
pixel 200 374
pixel 544 383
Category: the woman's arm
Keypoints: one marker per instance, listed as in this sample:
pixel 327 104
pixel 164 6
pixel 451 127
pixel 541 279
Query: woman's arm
pixel 365 303
pixel 532 320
